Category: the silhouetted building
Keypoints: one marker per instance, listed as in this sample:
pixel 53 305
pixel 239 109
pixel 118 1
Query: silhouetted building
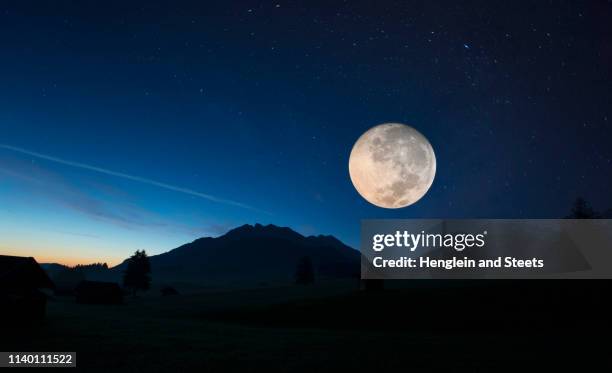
pixel 169 290
pixel 20 297
pixel 97 292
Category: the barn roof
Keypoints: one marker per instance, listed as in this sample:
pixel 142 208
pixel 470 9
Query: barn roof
pixel 22 272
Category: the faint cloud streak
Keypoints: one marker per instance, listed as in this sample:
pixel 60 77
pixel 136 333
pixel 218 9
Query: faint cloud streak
pixel 36 182
pixel 129 177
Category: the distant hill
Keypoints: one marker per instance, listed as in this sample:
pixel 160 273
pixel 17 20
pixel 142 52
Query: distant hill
pixel 252 254
pixel 66 278
pixel 53 269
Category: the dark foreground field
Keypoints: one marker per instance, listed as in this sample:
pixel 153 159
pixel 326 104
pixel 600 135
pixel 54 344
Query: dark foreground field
pixel 333 327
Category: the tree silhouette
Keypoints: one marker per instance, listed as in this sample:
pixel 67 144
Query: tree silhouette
pixel 136 276
pixel 93 266
pixel 582 210
pixel 304 273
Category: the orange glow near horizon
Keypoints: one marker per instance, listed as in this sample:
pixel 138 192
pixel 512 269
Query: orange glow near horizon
pixel 69 261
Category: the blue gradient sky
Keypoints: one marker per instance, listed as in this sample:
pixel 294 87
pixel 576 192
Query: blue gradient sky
pixel 260 104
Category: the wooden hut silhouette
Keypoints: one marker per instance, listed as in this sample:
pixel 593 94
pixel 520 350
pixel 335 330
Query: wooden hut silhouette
pixel 21 279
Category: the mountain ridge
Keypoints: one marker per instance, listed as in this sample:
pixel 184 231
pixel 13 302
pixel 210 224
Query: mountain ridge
pixel 251 253
pixel 254 252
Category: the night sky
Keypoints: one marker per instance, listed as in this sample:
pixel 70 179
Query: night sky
pixel 145 126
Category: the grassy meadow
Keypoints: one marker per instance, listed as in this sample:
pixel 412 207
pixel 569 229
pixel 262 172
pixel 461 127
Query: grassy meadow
pixel 325 327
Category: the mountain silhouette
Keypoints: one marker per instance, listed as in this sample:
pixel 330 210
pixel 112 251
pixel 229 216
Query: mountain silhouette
pixel 253 253
pixel 53 269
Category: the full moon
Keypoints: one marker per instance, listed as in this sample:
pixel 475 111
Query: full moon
pixel 392 165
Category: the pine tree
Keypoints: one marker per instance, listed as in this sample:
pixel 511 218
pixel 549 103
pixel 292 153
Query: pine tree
pixel 137 275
